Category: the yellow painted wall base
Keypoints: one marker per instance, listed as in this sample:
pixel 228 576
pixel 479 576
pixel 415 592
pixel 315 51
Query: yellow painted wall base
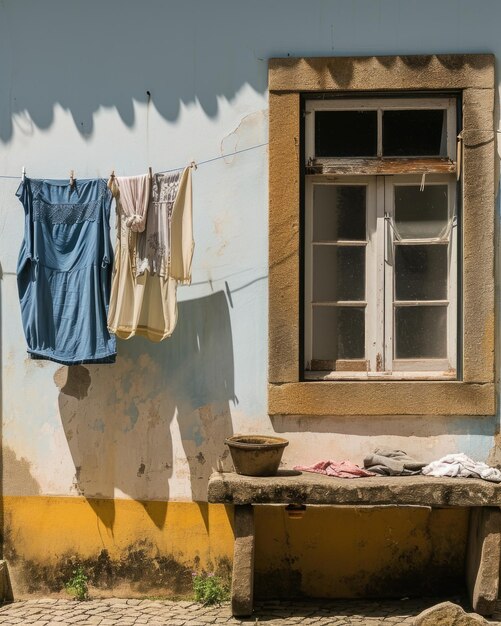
pixel 150 548
pixel 127 547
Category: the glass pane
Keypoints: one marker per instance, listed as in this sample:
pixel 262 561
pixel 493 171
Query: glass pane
pixel 421 214
pixel 339 212
pixel 345 133
pixel 421 332
pixel 414 133
pixel 421 272
pixel 338 273
pixel 338 333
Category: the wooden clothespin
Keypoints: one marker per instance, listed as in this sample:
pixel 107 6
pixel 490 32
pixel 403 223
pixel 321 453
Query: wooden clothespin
pixel 23 174
pixel 72 178
pixel 112 175
pixel 150 171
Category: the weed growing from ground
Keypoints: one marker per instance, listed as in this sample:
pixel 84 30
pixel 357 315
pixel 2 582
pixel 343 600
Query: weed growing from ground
pixel 77 584
pixel 209 588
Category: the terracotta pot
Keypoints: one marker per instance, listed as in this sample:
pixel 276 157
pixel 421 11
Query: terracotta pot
pixel 256 455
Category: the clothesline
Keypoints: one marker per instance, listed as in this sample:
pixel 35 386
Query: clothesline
pixel 177 169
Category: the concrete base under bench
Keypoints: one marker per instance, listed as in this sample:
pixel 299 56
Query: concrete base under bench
pixel 484 498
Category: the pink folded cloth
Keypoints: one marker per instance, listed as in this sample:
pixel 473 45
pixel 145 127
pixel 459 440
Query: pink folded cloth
pixel 339 469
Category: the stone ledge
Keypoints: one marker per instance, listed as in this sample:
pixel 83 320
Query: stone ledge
pixel 305 488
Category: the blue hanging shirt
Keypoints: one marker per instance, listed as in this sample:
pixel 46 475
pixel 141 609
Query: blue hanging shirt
pixel 64 270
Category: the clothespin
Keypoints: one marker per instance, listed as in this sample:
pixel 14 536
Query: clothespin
pixel 150 171
pixel 72 178
pixel 111 184
pixel 193 164
pixel 23 174
pixel 423 178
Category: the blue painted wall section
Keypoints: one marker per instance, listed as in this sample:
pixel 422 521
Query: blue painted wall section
pixel 75 80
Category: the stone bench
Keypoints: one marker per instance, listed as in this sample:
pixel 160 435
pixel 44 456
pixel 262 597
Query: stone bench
pixel 484 536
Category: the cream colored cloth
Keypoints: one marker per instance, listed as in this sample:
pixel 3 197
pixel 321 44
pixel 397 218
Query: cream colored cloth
pixel 149 263
pixel 132 194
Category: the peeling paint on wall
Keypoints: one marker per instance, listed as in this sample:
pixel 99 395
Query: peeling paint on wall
pixel 140 471
pixel 251 130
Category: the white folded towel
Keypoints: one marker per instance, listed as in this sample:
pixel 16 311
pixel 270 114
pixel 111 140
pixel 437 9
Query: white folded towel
pixel 461 466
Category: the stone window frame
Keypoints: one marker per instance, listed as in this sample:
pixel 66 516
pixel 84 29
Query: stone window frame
pixel 289 80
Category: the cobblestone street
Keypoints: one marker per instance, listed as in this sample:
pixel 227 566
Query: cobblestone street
pixel 108 612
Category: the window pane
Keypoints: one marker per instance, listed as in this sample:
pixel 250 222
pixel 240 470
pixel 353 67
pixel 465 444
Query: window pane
pixel 421 332
pixel 421 214
pixel 339 212
pixel 414 133
pixel 338 333
pixel 338 273
pixel 345 133
pixel 421 272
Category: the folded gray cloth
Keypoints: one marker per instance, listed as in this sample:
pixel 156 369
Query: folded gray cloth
pixel 390 462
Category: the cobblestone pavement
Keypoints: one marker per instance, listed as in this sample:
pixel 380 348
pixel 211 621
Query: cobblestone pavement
pixel 110 612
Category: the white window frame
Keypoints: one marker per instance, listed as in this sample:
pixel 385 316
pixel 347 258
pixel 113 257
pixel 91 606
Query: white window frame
pixel 379 304
pixel 379 105
pixel 433 367
pixel 374 256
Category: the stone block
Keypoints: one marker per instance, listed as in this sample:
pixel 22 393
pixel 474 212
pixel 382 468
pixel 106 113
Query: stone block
pixel 242 584
pixel 447 614
pixel 5 586
pixel 483 558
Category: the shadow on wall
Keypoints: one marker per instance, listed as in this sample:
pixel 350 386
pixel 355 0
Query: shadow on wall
pixel 181 52
pixel 117 419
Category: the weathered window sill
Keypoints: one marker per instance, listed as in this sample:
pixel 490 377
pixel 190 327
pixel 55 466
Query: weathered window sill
pixel 382 398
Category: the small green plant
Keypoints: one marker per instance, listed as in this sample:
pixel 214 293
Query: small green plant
pixel 77 584
pixel 209 588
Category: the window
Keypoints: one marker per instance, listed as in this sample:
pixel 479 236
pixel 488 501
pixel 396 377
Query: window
pixel 403 320
pixel 380 250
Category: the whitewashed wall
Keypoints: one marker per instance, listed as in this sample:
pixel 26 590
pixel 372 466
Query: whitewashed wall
pixel 73 95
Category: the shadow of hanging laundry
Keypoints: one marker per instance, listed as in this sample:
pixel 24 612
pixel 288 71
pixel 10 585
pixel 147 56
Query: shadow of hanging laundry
pixel 120 427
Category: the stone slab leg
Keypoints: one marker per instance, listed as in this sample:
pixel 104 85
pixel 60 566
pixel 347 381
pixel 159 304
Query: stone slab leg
pixel 483 558
pixel 242 584
pixel 5 587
